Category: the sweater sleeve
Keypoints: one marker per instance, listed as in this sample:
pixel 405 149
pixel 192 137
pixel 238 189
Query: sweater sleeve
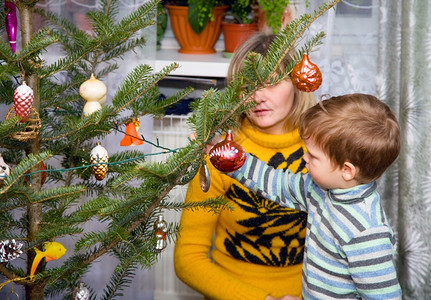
pixel 281 186
pixel 191 255
pixel 370 261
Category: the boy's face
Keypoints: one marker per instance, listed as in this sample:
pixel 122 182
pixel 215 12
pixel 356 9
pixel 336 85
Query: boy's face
pixel 320 167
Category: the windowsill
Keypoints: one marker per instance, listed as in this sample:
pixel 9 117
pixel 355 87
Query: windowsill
pixel 203 65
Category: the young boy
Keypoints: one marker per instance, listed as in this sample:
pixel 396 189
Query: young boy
pixel 350 141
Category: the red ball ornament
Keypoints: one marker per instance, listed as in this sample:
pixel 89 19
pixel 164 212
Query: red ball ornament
pixel 43 175
pixel 23 101
pixel 306 76
pixel 227 156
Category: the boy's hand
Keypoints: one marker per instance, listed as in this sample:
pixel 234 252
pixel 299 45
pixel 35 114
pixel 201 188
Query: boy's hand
pixel 210 144
pixel 285 297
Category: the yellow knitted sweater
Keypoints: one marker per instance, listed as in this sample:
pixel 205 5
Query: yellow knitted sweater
pixel 258 246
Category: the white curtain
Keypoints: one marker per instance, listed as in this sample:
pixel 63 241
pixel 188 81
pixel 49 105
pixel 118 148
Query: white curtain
pixel 404 71
pixel 348 56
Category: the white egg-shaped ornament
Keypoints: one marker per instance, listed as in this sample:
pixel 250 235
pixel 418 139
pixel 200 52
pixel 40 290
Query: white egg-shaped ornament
pixel 23 101
pixel 99 158
pixel 102 100
pixel 92 89
pixel 90 107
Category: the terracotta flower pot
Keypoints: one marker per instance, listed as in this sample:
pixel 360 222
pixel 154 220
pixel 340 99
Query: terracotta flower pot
pixel 236 34
pixel 190 42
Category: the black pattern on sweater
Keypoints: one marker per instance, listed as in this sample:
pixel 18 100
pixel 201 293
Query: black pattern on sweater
pixel 268 222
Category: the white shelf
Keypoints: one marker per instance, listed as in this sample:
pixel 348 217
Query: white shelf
pixel 203 65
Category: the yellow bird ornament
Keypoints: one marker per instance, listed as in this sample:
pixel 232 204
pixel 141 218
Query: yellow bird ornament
pixel 53 251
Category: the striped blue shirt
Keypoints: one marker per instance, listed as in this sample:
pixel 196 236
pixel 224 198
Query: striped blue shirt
pixel 349 245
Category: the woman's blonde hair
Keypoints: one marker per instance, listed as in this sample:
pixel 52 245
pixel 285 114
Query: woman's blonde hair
pixel 260 43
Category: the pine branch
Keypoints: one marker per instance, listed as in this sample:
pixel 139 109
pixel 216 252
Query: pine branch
pixel 82 127
pixel 102 25
pixel 140 17
pixel 6 54
pixel 122 277
pixel 214 205
pixel 117 51
pixel 53 93
pixel 24 166
pixel 58 193
pixel 137 84
pixel 68 33
pixel 37 43
pixel 65 62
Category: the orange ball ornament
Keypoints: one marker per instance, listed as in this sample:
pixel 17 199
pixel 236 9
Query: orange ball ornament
pixel 306 76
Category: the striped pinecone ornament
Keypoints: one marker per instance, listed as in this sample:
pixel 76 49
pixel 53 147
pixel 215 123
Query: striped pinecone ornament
pixel 98 156
pixel 23 101
pixel 9 250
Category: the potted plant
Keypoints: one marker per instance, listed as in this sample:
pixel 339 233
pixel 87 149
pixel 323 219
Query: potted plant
pixel 196 24
pixel 275 15
pixel 239 24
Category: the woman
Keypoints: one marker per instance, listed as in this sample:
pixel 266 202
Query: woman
pixel 258 246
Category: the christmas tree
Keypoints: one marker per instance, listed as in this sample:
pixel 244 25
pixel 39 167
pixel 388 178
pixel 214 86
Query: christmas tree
pixel 51 118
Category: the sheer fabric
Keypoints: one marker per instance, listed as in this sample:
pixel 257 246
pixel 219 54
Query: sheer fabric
pixel 404 68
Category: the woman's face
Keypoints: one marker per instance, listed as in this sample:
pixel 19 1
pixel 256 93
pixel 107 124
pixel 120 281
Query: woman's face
pixel 273 106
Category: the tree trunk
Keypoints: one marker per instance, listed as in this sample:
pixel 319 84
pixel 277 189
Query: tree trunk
pixel 34 211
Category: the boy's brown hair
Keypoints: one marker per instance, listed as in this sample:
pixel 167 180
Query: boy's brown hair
pixel 260 43
pixel 355 128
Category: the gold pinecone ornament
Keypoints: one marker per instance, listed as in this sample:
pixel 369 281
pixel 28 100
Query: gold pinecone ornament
pixel 99 157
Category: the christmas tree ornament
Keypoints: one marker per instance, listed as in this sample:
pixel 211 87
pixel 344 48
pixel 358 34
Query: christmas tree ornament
pixel 160 230
pixel 4 169
pixel 91 107
pixel 81 292
pixel 53 251
pixel 227 156
pixel 43 175
pixel 23 101
pixel 99 157
pixel 131 137
pixel 204 177
pixel 102 100
pixel 92 89
pixel 11 24
pixel 9 250
pixel 32 125
pixel 306 76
